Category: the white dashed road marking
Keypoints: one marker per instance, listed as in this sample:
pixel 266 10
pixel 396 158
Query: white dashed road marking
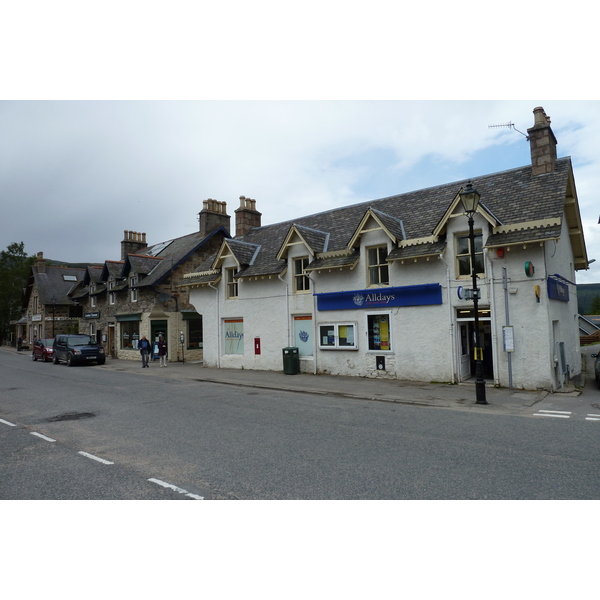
pixel 559 414
pixel 177 489
pixel 592 417
pixel 44 437
pixel 101 460
pixel 7 423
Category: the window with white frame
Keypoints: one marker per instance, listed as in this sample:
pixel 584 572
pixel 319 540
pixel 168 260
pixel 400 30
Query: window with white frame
pixel 464 266
pixel 338 336
pixel 111 298
pixel 134 295
pixel 377 265
pixel 301 280
pixel 93 301
pixel 379 332
pixel 231 283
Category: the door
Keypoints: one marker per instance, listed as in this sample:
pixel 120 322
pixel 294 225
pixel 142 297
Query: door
pixel 467 345
pixel 465 352
pixel 158 328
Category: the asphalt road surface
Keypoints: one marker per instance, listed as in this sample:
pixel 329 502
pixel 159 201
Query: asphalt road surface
pixel 98 433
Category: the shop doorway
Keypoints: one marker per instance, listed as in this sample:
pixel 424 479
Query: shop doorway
pixel 111 341
pixel 158 328
pixel 466 341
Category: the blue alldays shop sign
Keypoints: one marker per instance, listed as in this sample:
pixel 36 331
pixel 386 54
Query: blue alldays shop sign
pixel 409 295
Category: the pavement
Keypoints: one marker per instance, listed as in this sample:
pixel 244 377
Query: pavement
pixel 441 395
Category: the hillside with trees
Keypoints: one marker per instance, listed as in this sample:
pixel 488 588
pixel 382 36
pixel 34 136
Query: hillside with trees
pixel 588 298
pixel 14 271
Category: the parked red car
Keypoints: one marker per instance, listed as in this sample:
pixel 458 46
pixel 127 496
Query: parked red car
pixel 43 350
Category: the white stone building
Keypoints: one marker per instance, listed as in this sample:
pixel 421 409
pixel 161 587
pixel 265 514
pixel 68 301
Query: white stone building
pixel 378 289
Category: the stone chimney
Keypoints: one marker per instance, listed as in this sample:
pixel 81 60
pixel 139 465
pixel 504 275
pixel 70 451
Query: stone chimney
pixel 132 242
pixel 542 144
pixel 212 216
pixel 40 263
pixel 246 216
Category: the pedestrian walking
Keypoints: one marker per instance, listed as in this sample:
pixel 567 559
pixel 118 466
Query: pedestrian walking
pixel 145 351
pixel 162 351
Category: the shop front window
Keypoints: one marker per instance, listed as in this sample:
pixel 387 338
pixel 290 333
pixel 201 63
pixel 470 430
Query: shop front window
pixel 130 333
pixel 194 334
pixel 233 334
pixel 378 327
pixel 338 336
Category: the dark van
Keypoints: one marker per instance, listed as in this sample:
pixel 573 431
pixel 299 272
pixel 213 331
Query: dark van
pixel 77 349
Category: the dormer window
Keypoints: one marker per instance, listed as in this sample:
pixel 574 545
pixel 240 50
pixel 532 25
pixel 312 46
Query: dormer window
pixel 463 255
pixel 301 280
pixel 134 294
pixel 231 282
pixel 377 266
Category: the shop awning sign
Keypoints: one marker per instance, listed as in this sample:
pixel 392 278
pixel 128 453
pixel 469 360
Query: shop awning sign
pixel 409 295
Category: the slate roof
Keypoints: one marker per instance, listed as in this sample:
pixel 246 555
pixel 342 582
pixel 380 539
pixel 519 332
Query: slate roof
pixel 417 251
pixel 51 283
pixel 318 241
pixel 202 277
pixel 512 197
pixel 334 262
pixel 394 225
pixel 243 251
pixel 159 260
pixel 112 268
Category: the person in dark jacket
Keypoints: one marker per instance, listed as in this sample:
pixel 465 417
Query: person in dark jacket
pixel 162 351
pixel 145 351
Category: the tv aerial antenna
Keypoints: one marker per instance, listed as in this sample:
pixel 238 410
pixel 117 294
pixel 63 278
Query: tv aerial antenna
pixel 510 125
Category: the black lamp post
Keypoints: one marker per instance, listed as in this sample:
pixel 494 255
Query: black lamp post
pixel 470 200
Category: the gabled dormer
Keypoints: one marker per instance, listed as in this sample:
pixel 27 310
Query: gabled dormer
pixel 313 240
pixel 243 253
pixel 375 220
pixel 139 265
pixel 456 210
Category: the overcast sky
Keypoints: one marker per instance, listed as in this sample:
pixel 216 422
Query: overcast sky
pixel 75 174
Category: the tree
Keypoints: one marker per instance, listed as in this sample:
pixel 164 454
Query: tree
pixel 595 310
pixel 14 270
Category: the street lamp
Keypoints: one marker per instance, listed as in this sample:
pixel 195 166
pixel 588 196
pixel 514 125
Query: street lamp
pixel 470 200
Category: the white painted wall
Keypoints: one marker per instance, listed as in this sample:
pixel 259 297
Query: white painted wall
pixel 423 337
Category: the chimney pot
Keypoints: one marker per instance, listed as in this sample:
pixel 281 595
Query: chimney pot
pixel 542 143
pixel 213 215
pixel 246 216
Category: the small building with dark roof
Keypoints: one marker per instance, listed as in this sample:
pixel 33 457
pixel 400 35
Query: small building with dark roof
pixel 48 306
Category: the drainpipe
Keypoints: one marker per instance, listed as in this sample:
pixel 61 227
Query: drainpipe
pixel 287 307
pixel 495 359
pixel 314 321
pixel 218 327
pixel 451 322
